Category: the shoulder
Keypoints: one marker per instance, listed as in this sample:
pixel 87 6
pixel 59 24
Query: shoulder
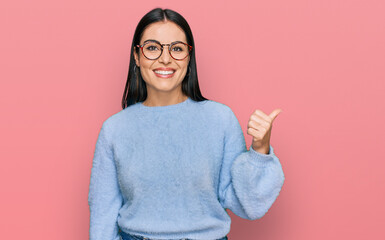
pixel 215 107
pixel 220 114
pixel 223 110
pixel 119 120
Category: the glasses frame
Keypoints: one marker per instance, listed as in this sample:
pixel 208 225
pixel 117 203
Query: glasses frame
pixel 162 46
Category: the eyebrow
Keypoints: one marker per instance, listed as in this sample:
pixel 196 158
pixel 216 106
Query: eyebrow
pixel 148 40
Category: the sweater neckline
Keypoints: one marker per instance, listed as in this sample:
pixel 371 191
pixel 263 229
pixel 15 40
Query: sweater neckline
pixel 164 108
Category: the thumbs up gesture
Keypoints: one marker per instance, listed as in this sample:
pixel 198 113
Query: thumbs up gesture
pixel 259 127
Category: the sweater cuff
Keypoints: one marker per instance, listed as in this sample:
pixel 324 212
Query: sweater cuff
pixel 261 159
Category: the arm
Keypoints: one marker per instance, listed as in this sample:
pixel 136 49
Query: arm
pixel 104 197
pixel 249 181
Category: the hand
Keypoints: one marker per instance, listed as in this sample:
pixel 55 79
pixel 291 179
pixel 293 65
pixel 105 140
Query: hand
pixel 259 127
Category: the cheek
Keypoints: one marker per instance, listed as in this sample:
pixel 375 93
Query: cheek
pixel 184 66
pixel 145 71
pixel 146 66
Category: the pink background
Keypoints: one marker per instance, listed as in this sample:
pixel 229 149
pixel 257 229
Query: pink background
pixel 63 70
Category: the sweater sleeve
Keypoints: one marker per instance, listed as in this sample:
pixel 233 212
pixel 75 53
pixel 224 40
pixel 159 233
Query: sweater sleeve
pixel 249 181
pixel 104 197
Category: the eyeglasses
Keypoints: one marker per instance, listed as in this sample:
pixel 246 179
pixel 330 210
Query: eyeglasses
pixel 153 49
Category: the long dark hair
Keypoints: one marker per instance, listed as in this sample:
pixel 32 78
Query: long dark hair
pixel 135 89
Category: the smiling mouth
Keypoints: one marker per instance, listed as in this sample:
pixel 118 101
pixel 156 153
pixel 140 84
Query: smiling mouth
pixel 160 72
pixel 164 74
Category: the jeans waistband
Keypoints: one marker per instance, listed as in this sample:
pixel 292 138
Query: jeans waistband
pixel 128 236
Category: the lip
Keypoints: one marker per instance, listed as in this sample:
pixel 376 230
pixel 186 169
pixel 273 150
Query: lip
pixel 164 69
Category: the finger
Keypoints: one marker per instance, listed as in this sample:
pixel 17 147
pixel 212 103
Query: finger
pixel 275 113
pixel 260 129
pixel 256 121
pixel 263 115
pixel 254 133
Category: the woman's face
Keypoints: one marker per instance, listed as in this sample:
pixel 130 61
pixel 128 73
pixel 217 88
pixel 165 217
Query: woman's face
pixel 165 33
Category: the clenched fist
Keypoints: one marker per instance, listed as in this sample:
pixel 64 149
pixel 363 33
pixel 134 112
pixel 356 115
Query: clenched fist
pixel 259 127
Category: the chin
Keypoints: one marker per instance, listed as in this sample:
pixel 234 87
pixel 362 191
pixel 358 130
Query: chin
pixel 165 86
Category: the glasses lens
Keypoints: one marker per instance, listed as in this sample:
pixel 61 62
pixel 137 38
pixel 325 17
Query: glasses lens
pixel 152 50
pixel 179 51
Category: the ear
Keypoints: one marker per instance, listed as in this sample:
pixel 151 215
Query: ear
pixel 136 57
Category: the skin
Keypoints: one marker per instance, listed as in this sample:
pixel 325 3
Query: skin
pixel 163 91
pixel 259 127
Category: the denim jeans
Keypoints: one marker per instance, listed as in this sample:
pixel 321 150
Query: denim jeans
pixel 127 236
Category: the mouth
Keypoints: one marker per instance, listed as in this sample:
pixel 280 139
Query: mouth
pixel 164 73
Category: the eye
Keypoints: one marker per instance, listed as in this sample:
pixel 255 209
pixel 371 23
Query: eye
pixel 151 48
pixel 177 49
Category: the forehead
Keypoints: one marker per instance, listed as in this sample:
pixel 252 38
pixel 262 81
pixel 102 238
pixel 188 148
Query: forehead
pixel 164 32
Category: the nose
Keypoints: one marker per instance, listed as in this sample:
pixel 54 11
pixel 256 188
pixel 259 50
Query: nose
pixel 165 57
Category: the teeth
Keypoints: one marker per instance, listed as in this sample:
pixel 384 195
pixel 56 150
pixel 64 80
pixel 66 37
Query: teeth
pixel 164 72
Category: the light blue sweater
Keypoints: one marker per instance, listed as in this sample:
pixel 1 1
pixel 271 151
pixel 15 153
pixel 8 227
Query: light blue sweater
pixel 169 172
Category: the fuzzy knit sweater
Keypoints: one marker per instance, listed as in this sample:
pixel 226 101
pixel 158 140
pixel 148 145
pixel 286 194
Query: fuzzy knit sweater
pixel 170 172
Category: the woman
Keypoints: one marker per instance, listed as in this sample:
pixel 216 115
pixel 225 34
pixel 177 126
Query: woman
pixel 171 162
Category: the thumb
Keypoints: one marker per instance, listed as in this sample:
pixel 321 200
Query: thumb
pixel 275 113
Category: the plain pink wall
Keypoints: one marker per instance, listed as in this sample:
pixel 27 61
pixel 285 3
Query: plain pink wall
pixel 64 66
